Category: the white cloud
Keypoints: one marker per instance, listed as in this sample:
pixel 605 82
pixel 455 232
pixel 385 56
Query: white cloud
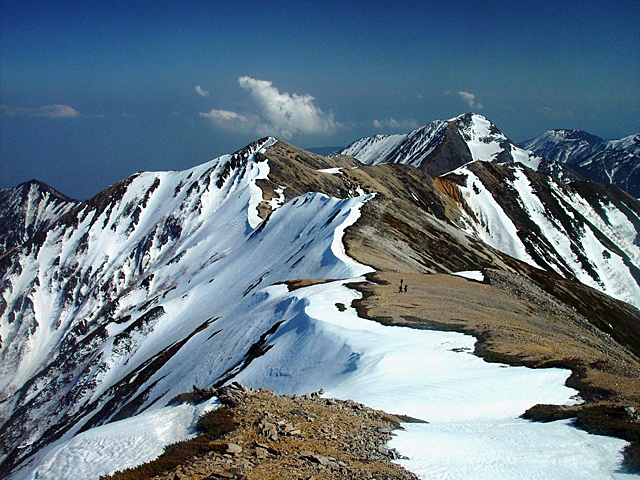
pixel 283 115
pixel 393 124
pixel 56 111
pixel 470 98
pixel 46 111
pixel 201 91
pixel 232 121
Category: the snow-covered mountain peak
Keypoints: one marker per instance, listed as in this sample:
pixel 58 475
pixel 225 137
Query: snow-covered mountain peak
pixel 442 146
pixel 476 123
pixel 27 209
pixel 579 135
pixel 484 139
pixel 610 161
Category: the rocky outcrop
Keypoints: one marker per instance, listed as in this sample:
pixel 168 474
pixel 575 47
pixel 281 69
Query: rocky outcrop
pixel 292 437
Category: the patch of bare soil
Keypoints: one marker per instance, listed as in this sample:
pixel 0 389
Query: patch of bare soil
pixel 289 437
pixel 301 283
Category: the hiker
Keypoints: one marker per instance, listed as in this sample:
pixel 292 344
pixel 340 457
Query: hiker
pixel 405 288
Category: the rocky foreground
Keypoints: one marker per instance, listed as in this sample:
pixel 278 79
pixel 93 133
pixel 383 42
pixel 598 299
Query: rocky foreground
pixel 261 435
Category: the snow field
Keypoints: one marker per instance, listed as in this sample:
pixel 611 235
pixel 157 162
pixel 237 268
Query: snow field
pixel 471 275
pixel 473 407
pixel 119 445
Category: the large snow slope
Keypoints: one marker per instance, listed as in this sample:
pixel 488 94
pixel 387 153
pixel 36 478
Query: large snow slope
pixel 154 292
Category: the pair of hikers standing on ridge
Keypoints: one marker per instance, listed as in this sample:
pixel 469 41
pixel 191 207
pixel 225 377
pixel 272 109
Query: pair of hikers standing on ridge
pixel 400 288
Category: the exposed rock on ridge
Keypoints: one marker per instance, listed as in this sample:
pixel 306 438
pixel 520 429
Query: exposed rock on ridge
pixel 292 437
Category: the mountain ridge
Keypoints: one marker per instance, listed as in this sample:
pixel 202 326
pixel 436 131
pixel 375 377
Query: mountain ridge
pixel 28 209
pixel 442 146
pixel 136 281
pixel 602 161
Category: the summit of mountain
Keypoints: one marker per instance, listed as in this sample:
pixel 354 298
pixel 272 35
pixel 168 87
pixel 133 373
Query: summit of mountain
pixel 442 146
pixel 28 209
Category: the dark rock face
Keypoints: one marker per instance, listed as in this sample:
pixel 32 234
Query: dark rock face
pixel 451 152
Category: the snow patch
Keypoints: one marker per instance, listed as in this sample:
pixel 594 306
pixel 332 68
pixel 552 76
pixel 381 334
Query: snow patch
pixel 116 446
pixel 331 171
pixel 471 275
pixel 278 201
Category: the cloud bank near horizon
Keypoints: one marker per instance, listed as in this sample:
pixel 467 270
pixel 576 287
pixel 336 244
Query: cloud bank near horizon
pixel 46 111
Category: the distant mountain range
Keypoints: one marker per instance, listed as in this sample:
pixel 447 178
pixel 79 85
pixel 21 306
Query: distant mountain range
pixel 441 146
pixel 603 161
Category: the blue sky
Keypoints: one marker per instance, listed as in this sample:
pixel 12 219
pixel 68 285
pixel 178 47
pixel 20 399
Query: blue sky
pixel 91 92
